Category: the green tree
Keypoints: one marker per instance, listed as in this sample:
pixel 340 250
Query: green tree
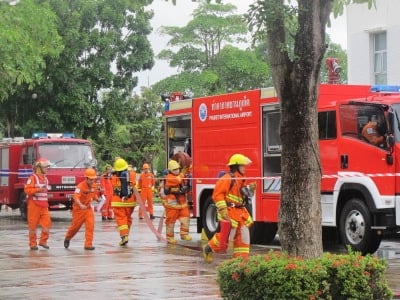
pixel 105 45
pixel 137 135
pixel 241 70
pixel 296 79
pixel 210 64
pixel 202 39
pixel 199 83
pixel 28 37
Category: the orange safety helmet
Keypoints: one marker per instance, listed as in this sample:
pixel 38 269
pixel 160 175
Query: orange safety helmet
pixel 90 173
pixel 42 163
pixel 145 166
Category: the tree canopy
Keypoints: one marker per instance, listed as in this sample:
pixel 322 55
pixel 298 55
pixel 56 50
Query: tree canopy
pixel 105 44
pixel 28 36
pixel 205 53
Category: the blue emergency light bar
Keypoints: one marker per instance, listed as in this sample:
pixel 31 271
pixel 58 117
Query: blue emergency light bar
pixel 39 135
pixel 385 88
pixel 44 135
pixel 68 135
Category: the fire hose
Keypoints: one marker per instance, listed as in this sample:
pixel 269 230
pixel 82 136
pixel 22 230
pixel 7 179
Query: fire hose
pixel 157 232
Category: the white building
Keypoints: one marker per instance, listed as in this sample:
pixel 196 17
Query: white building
pixel 373 43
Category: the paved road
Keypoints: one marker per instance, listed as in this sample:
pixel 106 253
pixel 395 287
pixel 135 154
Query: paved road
pixel 145 269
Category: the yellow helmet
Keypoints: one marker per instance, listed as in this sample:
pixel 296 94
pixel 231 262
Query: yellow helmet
pixel 173 165
pixel 120 164
pixel 239 159
pixel 90 173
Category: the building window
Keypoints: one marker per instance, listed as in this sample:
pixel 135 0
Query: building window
pixel 380 58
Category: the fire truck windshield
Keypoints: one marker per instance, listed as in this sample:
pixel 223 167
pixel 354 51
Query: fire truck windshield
pixel 67 155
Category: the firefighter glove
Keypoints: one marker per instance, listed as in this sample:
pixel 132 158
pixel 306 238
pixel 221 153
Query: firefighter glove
pixel 252 187
pixel 223 212
pixel 174 190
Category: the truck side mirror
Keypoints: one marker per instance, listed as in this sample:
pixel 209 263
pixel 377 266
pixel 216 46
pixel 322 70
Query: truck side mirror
pixel 390 141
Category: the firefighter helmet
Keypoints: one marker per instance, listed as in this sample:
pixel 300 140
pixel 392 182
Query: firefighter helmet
pixel 90 173
pixel 120 165
pixel 239 159
pixel 42 163
pixel 145 166
pixel 173 165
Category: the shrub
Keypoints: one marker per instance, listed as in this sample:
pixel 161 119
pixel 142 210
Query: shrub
pixel 276 275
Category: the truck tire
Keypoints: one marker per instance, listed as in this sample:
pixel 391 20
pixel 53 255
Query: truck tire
pixel 209 218
pixel 23 206
pixel 263 233
pixel 355 227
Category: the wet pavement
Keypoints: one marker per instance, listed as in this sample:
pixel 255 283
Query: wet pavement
pixel 145 269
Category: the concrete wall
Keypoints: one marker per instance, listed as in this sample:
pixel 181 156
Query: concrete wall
pixel 362 23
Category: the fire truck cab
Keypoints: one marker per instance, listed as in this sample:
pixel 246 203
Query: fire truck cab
pixel 360 182
pixel 68 156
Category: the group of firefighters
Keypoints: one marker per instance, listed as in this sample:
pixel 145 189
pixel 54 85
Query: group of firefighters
pixel 117 193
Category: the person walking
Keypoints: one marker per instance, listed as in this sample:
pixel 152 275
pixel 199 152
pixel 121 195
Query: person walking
pixel 231 195
pixel 82 212
pixel 123 201
pixel 146 186
pixel 36 189
pixel 175 203
pixel 107 191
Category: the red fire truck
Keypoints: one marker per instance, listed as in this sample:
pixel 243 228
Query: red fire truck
pixel 360 185
pixel 68 156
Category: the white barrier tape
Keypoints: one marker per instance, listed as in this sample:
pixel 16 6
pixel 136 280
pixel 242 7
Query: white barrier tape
pixel 349 174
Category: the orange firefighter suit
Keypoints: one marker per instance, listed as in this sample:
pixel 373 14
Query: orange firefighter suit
pixel 229 199
pixel 176 207
pixel 146 186
pixel 123 202
pixel 370 133
pixel 82 212
pixel 38 211
pixel 107 192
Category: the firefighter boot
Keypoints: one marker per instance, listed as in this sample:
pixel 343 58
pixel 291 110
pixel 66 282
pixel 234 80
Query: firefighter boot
pixel 207 254
pixel 171 240
pixel 45 246
pixel 124 240
pixel 170 234
pixel 186 237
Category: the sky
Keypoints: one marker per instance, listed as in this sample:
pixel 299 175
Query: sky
pixel 166 14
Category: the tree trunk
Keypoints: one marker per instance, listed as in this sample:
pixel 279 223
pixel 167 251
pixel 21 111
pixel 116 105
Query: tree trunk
pixel 296 79
pixel 300 230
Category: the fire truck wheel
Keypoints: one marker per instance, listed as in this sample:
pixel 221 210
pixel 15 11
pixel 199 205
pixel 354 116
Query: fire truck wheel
pixel 263 233
pixel 23 208
pixel 355 227
pixel 209 218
